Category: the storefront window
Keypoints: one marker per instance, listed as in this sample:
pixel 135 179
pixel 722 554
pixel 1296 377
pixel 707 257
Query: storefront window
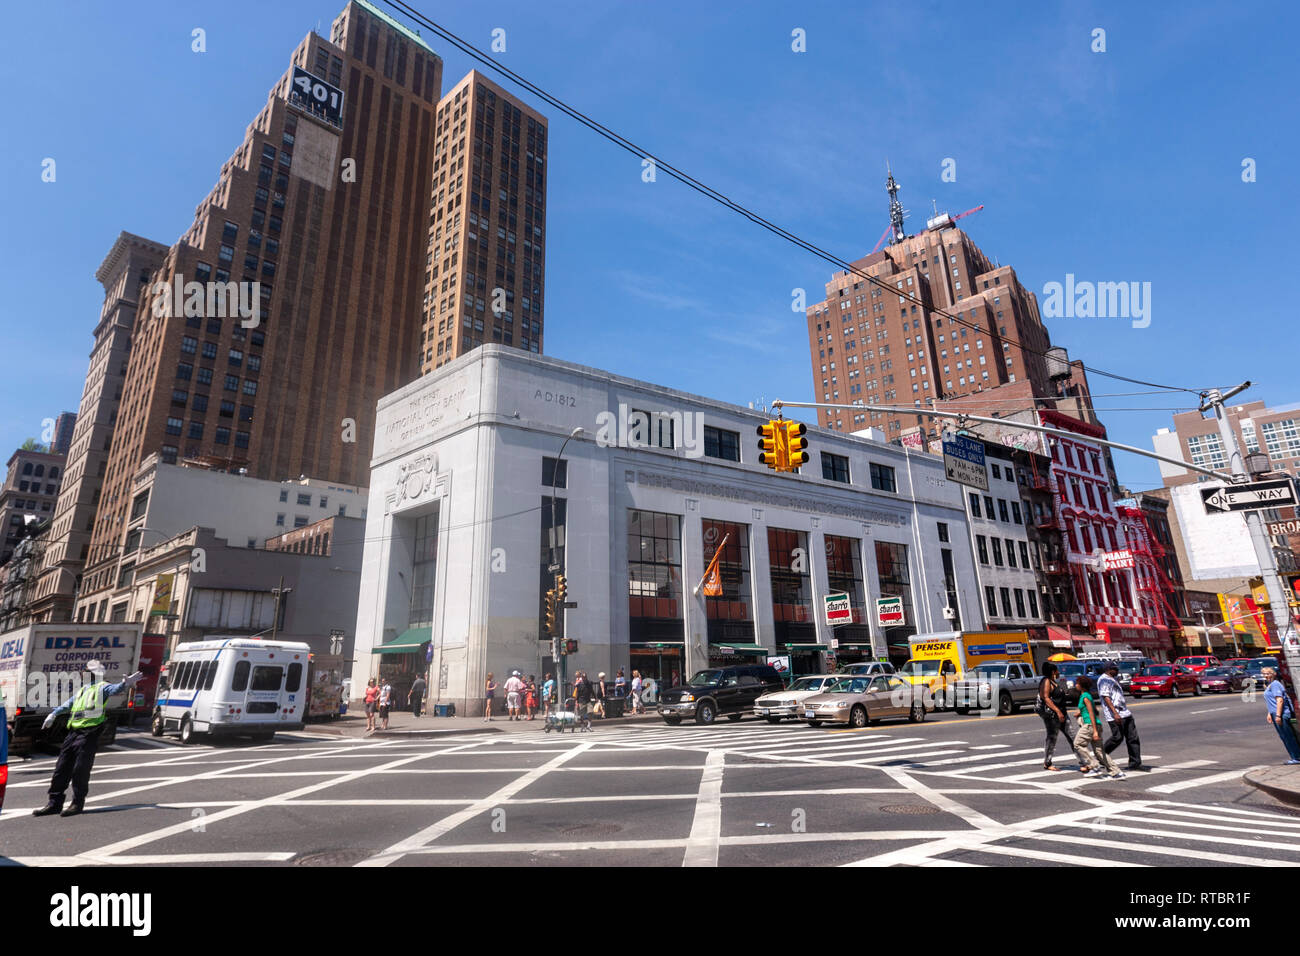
pixel 895 580
pixel 791 587
pixel 424 564
pixel 844 576
pixel 729 616
pixel 654 593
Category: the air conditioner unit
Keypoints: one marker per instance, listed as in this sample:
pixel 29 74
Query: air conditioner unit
pixel 949 614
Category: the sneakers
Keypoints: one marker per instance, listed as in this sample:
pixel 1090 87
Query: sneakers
pixel 48 810
pixel 1118 775
pixel 1094 772
pixel 1290 762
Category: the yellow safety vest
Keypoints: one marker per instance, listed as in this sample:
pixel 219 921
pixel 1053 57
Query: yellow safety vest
pixel 87 708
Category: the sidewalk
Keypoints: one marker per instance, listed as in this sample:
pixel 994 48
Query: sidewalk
pixel 401 724
pixel 1281 783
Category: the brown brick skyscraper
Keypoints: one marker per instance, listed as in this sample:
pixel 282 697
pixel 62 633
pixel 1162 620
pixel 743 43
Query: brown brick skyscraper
pixel 325 204
pixel 881 346
pixel 487 224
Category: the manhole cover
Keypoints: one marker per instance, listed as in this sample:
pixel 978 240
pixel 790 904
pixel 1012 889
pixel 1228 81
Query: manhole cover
pixel 912 809
pixel 342 857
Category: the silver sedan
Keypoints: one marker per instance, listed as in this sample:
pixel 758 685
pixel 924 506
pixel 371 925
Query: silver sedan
pixel 857 701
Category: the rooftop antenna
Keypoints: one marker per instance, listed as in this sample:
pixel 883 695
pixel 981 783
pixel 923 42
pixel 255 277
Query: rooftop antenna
pixel 897 234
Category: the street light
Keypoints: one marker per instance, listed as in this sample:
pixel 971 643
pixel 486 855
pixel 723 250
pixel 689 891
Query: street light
pixel 279 593
pixel 558 568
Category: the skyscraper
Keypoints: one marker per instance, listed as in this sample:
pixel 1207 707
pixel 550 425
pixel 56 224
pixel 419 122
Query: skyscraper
pixel 487 226
pixel 126 269
pixel 883 343
pixel 308 264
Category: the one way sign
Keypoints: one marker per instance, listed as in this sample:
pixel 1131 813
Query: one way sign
pixel 1253 496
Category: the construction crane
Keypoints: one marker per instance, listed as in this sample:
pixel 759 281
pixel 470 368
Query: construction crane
pixel 940 220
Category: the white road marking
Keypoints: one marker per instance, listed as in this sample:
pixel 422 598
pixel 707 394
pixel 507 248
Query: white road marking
pixel 706 828
pixel 1238 811
pixel 1197 837
pixel 952 760
pixel 1201 781
pixel 1067 858
pixel 1216 813
pixel 1200 853
pixel 157 859
pixel 1209 711
pixel 447 824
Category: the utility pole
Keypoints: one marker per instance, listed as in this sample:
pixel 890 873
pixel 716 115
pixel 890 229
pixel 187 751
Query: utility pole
pixel 1277 599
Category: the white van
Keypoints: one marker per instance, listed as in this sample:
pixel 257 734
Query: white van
pixel 241 686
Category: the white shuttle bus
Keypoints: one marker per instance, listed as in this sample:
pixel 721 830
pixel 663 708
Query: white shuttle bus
pixel 233 686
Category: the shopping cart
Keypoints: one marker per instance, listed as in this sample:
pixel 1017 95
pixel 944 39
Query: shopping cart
pixel 567 719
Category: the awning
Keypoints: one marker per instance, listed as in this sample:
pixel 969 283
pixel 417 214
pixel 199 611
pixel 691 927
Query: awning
pixel 1060 637
pixel 805 647
pixel 1195 636
pixel 1134 635
pixel 408 642
pixel 735 648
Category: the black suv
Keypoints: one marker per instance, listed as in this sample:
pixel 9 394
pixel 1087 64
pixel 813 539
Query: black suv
pixel 730 691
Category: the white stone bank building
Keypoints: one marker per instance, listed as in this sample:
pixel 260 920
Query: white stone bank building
pixel 458 555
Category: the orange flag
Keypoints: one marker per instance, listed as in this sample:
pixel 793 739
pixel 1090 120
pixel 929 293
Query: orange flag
pixel 712 583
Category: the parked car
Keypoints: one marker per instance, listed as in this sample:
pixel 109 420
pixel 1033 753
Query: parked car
pixel 858 701
pixel 719 691
pixel 1237 662
pixel 1165 680
pixel 1254 673
pixel 1069 670
pixel 1223 680
pixel 868 668
pixel 1006 685
pixel 785 703
pixel 1198 663
pixel 1130 669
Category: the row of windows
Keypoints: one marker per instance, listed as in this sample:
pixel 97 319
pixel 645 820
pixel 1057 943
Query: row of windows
pixel 982 548
pixel 990 599
pixel 1002 514
pixel 39 470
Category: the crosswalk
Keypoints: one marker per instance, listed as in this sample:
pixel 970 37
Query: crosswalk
pixel 1015 762
pixel 1135 833
pixel 141 740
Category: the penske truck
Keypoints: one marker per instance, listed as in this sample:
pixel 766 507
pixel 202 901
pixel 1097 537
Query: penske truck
pixel 938 660
pixel 42 665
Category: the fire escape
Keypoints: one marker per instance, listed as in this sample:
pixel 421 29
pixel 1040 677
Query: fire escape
pixel 1149 553
pixel 1060 588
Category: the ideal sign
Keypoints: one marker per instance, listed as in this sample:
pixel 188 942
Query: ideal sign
pixel 838 609
pixel 889 612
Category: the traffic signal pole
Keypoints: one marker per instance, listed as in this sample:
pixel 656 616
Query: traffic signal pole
pixel 1279 606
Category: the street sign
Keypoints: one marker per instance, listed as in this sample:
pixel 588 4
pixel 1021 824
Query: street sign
pixel 553 568
pixel 1250 496
pixel 570 604
pixel 889 611
pixel 838 609
pixel 835 644
pixel 1284 527
pixel 963 462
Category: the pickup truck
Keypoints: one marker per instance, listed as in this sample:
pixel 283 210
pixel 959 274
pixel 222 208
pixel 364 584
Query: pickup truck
pixel 1006 685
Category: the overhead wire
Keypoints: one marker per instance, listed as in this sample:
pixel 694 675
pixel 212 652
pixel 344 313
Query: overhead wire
pixel 688 180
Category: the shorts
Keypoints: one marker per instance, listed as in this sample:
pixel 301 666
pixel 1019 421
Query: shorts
pixel 383 710
pixel 370 707
pixel 512 699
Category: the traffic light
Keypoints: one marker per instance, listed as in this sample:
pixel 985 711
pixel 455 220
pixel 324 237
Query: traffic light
pixel 795 444
pixel 571 645
pixel 551 627
pixel 770 446
pixel 561 589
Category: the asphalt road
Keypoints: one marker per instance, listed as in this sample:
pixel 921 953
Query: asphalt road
pixel 953 791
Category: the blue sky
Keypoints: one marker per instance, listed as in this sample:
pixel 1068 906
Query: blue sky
pixel 1117 166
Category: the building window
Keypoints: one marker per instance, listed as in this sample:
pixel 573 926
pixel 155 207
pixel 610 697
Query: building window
pixel 222 436
pixel 991 600
pixel 882 478
pixel 1005 593
pixel 720 443
pixel 1011 553
pixel 788 570
pixel 232 383
pixel 729 614
pixel 174 426
pixel 997 552
pixel 550 478
pixel 1002 511
pixel 304 498
pixel 168 453
pixel 835 467
pixel 894 580
pixel 650 430
pixel 279 519
pixel 184 371
pixel 284 494
pixel 981 544
pixel 423 568
pixel 1015 512
pixel 654 561
pixel 300 521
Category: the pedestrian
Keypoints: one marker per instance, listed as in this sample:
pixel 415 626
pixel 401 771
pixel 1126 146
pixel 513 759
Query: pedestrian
pixel 86 718
pixel 372 704
pixel 1087 740
pixel 1123 729
pixel 530 696
pixel 620 684
pixel 548 694
pixel 1281 713
pixel 514 695
pixel 416 697
pixel 489 690
pixel 582 694
pixel 1050 705
pixel 385 701
pixel 637 686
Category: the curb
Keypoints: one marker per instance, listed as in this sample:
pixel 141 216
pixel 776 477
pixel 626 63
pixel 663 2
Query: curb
pixel 1287 795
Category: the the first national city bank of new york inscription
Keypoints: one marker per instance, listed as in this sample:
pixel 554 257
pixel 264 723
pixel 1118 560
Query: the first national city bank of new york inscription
pixel 422 415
